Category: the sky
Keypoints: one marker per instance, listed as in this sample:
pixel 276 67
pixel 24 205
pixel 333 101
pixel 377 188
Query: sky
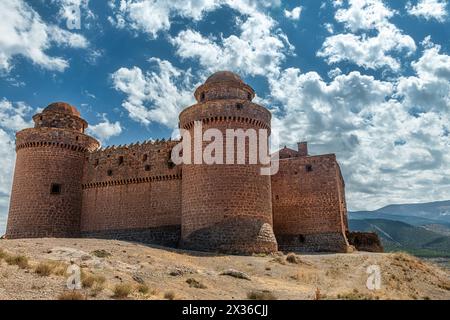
pixel 368 80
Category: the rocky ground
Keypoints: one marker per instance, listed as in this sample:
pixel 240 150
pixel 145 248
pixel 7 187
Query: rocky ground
pixel 36 269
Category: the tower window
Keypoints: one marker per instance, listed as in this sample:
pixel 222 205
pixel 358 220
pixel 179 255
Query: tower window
pixel 120 160
pixel 77 138
pixel 202 97
pixel 171 164
pixel 145 157
pixel 148 167
pixel 239 106
pixel 55 189
pixel 309 168
pixel 249 97
pixel 109 173
pixel 97 162
pixel 277 197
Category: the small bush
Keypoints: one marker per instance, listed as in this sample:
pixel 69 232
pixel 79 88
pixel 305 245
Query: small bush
pixel 96 289
pixel 20 261
pixel 170 295
pixel 3 254
pixel 101 253
pixel 195 284
pixel 143 289
pixel 293 258
pixel 122 290
pixel 88 280
pixel 43 269
pixel 71 295
pixel 261 295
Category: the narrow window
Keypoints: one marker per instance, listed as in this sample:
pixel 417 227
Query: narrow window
pixel 249 97
pixel 277 197
pixel 202 97
pixel 148 167
pixel 109 173
pixel 309 168
pixel 77 138
pixel 239 106
pixel 120 160
pixel 97 162
pixel 145 158
pixel 55 189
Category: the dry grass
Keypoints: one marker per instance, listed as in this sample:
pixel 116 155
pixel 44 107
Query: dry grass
pixel 122 290
pixel 293 258
pixel 71 295
pixel 19 260
pixel 43 269
pixel 3 254
pixel 143 289
pixel 261 295
pixel 89 280
pixel 356 295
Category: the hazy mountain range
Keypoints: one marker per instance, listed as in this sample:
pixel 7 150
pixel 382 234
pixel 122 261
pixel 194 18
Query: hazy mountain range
pixel 421 229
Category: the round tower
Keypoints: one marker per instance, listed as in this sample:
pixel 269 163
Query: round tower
pixel 226 207
pixel 46 193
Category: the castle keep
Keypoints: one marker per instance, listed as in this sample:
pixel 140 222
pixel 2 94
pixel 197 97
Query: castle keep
pixel 65 185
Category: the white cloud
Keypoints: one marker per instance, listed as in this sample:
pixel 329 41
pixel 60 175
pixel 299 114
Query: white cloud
pixel 429 9
pixel 12 118
pixel 294 14
pixel 358 46
pixel 256 51
pixel 105 129
pixel 391 138
pixel 155 96
pixel 22 32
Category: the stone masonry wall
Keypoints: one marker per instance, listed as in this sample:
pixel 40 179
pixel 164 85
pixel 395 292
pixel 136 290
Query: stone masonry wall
pixel 132 192
pixel 308 202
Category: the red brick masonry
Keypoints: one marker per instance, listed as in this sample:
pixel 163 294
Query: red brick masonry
pixel 65 186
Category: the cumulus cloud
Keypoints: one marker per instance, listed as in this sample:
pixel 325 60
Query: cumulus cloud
pixel 12 118
pixel 258 50
pixel 361 18
pixel 22 32
pixel 294 14
pixel 369 123
pixel 105 129
pixel 155 96
pixel 429 9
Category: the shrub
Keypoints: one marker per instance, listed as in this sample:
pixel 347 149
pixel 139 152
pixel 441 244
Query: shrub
pixel 88 280
pixel 170 295
pixel 143 289
pixel 293 258
pixel 101 253
pixel 43 269
pixel 20 261
pixel 195 284
pixel 122 290
pixel 261 295
pixel 71 295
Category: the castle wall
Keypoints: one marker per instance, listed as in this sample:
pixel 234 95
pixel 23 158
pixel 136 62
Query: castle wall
pixel 46 157
pixel 309 205
pixel 133 193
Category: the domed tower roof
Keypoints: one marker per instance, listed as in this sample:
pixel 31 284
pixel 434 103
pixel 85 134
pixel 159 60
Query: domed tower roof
pixel 62 107
pixel 224 76
pixel 224 85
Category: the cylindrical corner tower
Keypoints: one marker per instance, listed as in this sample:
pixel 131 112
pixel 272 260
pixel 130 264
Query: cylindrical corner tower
pixel 46 194
pixel 226 207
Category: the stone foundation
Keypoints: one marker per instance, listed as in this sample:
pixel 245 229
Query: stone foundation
pixel 233 236
pixel 168 236
pixel 323 242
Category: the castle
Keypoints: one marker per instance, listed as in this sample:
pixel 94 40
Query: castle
pixel 65 185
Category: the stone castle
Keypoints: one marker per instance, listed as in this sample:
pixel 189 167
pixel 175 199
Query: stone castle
pixel 65 185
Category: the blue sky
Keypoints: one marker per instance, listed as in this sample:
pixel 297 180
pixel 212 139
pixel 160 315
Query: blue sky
pixel 368 80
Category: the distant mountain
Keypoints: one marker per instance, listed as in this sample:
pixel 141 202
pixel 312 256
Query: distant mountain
pixel 400 236
pixel 415 214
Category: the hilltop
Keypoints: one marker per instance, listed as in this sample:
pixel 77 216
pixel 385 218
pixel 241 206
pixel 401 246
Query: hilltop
pixel 34 269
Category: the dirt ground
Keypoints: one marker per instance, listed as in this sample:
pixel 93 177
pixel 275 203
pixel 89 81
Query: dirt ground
pixel 37 269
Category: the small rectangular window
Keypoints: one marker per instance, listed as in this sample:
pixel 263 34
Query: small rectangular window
pixel 309 168
pixel 55 189
pixel 120 160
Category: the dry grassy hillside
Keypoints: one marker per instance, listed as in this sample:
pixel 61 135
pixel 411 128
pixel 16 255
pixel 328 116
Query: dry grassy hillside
pixel 35 269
